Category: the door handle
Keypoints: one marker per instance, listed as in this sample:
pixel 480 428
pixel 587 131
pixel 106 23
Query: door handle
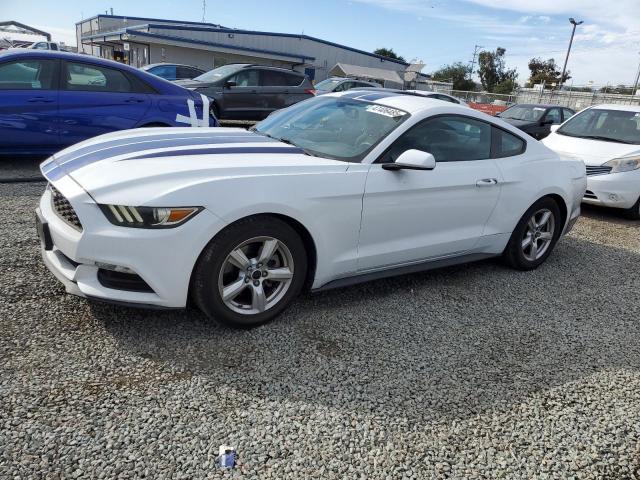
pixel 286 91
pixel 134 100
pixel 487 182
pixel 40 100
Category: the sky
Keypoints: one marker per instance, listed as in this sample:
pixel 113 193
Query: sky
pixel 606 47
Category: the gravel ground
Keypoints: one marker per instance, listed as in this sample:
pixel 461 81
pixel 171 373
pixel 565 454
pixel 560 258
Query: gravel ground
pixel 468 372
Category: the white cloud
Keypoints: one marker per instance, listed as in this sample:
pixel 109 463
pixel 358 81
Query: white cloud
pixel 605 47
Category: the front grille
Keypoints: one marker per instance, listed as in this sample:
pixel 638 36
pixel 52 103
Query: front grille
pixel 598 170
pixel 63 208
pixel 589 194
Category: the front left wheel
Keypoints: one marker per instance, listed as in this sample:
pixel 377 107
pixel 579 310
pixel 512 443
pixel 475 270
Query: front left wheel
pixel 633 213
pixel 250 272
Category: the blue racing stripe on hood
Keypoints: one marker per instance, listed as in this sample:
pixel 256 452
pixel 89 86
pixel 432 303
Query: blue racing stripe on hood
pixel 60 171
pixel 74 160
pixel 217 151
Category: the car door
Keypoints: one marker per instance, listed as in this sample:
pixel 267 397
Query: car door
pixel 29 104
pixel 415 215
pixel 552 117
pixel 241 99
pixel 95 99
pixel 567 113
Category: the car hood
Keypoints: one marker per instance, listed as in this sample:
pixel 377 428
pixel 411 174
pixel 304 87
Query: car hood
pixel 519 123
pixel 144 165
pixel 592 152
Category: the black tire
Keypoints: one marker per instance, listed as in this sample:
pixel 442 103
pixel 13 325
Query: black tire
pixel 633 213
pixel 214 110
pixel 204 286
pixel 514 254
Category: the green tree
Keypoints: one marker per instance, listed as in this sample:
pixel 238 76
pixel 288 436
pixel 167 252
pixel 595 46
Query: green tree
pixel 546 71
pixel 389 53
pixel 457 74
pixel 494 75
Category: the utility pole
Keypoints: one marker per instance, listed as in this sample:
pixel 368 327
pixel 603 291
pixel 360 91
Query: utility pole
pixel 204 9
pixel 635 85
pixel 566 59
pixel 473 60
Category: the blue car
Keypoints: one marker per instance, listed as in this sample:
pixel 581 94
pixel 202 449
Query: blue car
pixel 50 100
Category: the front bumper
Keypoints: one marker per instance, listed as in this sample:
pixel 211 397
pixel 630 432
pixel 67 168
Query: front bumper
pixel 618 190
pixel 163 259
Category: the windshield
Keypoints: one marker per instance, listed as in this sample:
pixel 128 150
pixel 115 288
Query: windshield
pixel 217 73
pixel 609 125
pixel 327 85
pixel 333 127
pixel 518 112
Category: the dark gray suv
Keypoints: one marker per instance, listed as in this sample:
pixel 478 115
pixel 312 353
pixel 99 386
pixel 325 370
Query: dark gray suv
pixel 250 92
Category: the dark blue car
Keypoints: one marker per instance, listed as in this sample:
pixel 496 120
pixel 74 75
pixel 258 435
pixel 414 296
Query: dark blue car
pixel 50 100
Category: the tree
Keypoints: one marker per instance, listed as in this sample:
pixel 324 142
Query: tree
pixel 545 71
pixel 457 74
pixel 493 73
pixel 389 53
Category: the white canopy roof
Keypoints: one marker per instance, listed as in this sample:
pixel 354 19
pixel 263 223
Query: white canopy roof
pixel 368 73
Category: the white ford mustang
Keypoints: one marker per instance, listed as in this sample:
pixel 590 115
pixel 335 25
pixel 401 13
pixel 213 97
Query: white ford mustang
pixel 331 191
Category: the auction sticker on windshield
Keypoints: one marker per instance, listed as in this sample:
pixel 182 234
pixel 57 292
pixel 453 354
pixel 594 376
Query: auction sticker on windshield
pixel 386 111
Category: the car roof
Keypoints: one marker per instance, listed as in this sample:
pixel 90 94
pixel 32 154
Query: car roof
pixel 411 103
pixel 26 52
pixel 159 64
pixel 539 105
pixel 612 106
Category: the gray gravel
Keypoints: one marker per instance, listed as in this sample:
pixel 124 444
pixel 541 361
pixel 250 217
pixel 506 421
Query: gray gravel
pixel 469 372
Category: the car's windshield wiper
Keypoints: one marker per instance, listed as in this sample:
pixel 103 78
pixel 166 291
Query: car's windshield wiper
pixel 284 140
pixel 600 137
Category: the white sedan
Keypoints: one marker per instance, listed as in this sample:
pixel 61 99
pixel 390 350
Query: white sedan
pixel 335 190
pixel 607 138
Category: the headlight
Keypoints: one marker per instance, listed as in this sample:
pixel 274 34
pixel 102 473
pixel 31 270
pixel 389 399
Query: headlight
pixel 624 164
pixel 148 217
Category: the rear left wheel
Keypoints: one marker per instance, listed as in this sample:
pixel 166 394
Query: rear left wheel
pixel 250 272
pixel 535 236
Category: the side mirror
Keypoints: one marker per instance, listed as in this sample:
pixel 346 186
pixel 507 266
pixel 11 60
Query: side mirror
pixel 554 128
pixel 229 84
pixel 412 160
pixel 546 122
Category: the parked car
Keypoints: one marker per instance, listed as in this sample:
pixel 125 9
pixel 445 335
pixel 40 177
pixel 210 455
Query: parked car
pixel 421 93
pixel 173 71
pixel 250 92
pixel 49 100
pixel 335 190
pixel 44 46
pixel 340 84
pixel 607 139
pixel 536 120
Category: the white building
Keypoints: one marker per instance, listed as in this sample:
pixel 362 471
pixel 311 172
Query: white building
pixel 140 41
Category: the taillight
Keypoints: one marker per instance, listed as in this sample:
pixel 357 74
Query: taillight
pixel 310 91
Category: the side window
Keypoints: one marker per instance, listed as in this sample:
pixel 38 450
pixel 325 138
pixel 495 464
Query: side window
pixel 272 78
pixel 54 46
pixel 27 75
pixel 164 71
pixel 341 87
pixel 444 98
pixel 41 46
pixel 567 113
pixel 246 78
pixel 293 80
pixel 506 144
pixel 186 72
pixel 554 115
pixel 447 138
pixel 94 78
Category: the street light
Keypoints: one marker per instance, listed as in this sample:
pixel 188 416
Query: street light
pixel 564 68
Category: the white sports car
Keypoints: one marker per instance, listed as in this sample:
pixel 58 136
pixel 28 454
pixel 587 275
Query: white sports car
pixel 338 189
pixel 607 139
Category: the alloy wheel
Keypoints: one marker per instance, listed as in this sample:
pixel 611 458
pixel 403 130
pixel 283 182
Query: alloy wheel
pixel 256 275
pixel 538 234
